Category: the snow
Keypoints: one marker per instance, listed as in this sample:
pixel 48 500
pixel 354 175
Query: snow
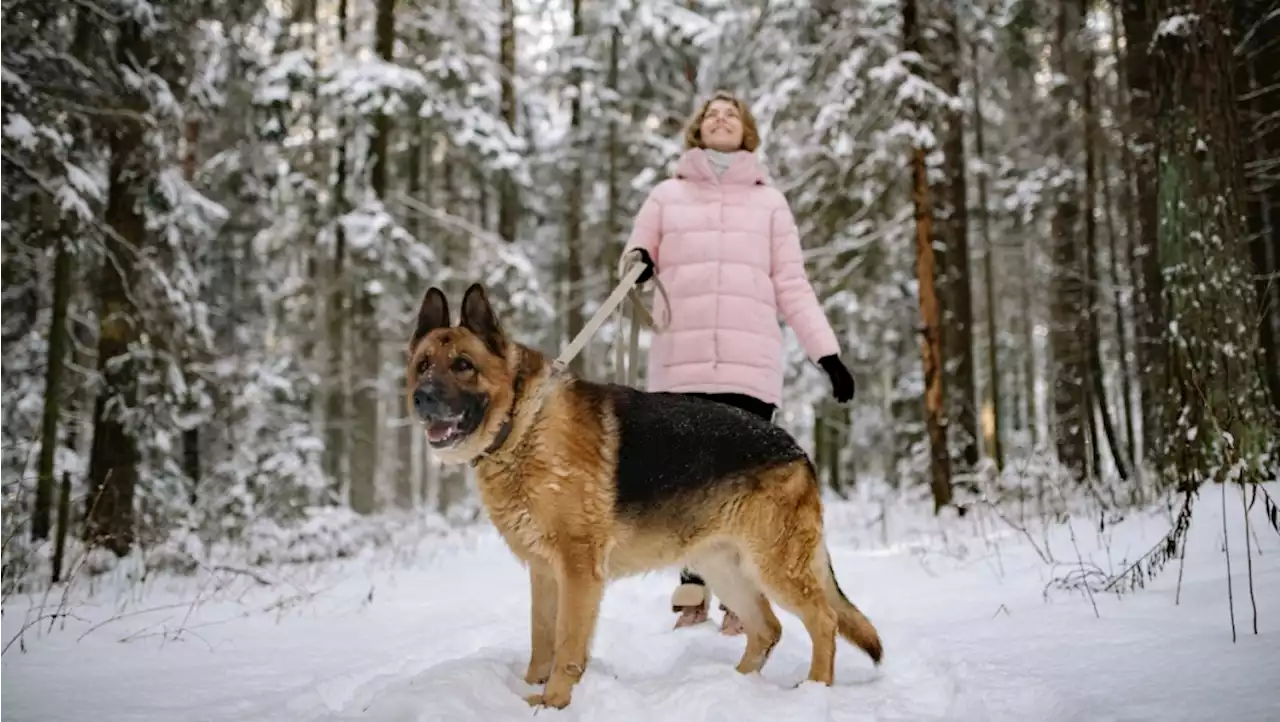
pixel 1176 25
pixel 20 130
pixel 974 629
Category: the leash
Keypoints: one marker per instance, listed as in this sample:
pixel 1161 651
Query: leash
pixel 613 305
pixel 631 267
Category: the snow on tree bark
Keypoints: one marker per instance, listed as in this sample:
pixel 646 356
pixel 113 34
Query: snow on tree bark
pixel 113 463
pixel 1219 426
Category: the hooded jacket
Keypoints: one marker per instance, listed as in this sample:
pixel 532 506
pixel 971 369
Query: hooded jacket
pixel 726 248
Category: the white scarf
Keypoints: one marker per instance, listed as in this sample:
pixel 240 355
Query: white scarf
pixel 720 160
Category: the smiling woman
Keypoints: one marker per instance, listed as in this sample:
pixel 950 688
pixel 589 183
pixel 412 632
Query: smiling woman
pixel 724 127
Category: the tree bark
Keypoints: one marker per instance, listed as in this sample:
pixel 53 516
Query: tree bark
pixel 1258 69
pixel 366 447
pixel 930 312
pixel 1219 421
pixel 508 199
pixel 1113 256
pixel 1070 373
pixel 988 263
pixel 1151 350
pixel 191 436
pixel 1097 377
pixel 954 260
pixel 113 460
pixel 1123 111
pixel 54 371
pixel 573 236
pixel 337 413
pixel 613 210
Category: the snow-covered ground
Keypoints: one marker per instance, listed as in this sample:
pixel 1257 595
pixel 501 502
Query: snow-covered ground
pixel 441 634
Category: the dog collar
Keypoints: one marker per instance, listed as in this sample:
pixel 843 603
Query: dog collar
pixel 505 430
pixel 518 388
pixel 498 441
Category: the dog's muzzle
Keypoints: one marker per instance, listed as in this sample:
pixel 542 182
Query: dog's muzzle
pixel 429 404
pixel 449 417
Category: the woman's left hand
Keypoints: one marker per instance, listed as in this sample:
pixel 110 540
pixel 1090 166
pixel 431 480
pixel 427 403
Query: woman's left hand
pixel 842 385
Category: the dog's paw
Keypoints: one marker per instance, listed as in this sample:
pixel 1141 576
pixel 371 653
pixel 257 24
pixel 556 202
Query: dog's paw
pixel 538 672
pixel 557 701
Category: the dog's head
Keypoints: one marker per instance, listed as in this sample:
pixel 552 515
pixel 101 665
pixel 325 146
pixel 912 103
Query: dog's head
pixel 460 383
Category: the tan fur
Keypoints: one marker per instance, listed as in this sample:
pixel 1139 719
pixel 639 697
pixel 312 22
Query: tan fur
pixel 549 490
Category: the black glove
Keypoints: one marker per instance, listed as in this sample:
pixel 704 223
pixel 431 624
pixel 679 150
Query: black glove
pixel 648 265
pixel 842 385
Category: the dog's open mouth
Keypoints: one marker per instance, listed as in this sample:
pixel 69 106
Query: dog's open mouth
pixel 445 432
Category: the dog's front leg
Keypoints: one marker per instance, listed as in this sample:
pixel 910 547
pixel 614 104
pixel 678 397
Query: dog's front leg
pixel 542 589
pixel 580 577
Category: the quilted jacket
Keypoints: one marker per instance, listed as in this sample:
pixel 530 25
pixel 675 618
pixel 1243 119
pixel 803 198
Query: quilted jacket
pixel 726 248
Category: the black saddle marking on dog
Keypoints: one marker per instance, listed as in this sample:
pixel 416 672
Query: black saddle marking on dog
pixel 672 445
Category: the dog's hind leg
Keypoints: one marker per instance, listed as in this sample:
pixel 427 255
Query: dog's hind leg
pixel 783 535
pixel 791 583
pixel 726 577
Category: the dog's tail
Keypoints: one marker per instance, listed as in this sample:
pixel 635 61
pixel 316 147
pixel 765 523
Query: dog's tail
pixel 852 624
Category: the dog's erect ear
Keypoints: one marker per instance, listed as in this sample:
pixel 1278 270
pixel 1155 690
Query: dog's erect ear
pixel 478 317
pixel 432 314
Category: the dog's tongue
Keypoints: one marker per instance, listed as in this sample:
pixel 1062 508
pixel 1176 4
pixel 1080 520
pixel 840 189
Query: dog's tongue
pixel 440 430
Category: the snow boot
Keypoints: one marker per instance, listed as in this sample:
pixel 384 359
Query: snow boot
pixel 690 600
pixel 731 626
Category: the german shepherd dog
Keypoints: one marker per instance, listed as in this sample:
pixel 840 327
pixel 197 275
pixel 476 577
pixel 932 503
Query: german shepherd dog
pixel 591 482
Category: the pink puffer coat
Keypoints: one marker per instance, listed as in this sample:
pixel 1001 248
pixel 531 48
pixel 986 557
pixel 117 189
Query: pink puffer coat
pixel 727 251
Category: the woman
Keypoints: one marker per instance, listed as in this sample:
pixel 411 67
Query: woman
pixel 725 245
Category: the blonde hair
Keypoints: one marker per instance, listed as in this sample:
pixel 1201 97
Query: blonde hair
pixel 750 134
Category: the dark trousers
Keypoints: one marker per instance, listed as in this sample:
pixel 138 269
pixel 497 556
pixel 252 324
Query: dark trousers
pixel 746 403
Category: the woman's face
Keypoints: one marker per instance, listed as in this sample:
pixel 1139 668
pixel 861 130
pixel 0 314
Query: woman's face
pixel 722 127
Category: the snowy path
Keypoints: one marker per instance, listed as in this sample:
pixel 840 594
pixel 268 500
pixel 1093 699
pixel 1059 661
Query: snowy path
pixel 967 632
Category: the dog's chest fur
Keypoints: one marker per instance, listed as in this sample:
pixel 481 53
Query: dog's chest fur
pixel 553 488
pixel 520 516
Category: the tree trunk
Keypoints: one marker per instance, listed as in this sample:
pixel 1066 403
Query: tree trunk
pixel 612 213
pixel 191 436
pixel 54 371
pixel 1123 111
pixel 691 60
pixel 337 413
pixel 1151 350
pixel 1029 336
pixel 1258 70
pixel 1122 351
pixel 1096 376
pixel 954 260
pixel 573 236
pixel 837 434
pixel 113 460
pixel 988 262
pixel 1219 422
pixel 64 493
pixel 410 439
pixel 366 439
pixel 508 199
pixel 1070 373
pixel 930 312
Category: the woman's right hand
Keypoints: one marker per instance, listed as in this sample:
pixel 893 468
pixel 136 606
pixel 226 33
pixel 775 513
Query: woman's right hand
pixel 648 265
